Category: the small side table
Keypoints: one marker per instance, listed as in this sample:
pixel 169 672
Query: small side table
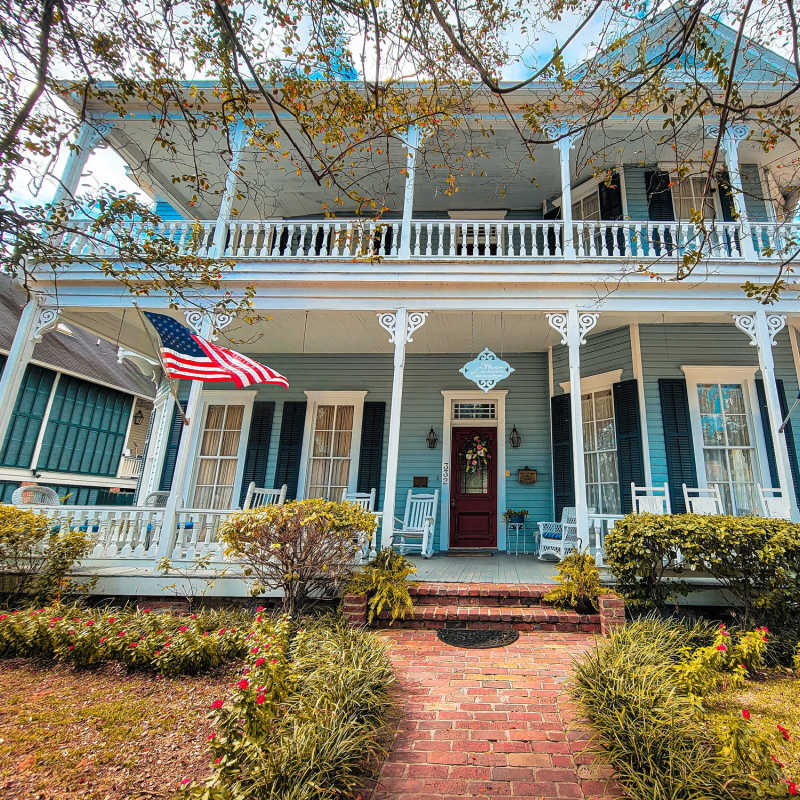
pixel 517 531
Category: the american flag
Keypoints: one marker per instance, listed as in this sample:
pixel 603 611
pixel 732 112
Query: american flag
pixel 187 355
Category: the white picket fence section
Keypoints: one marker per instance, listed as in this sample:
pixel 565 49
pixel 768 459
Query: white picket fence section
pixel 460 240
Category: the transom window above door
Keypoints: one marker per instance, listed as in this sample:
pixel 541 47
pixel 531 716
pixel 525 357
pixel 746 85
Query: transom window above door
pixel 218 456
pixel 474 410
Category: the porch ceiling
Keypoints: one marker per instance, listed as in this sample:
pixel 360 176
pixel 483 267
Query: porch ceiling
pixel 359 332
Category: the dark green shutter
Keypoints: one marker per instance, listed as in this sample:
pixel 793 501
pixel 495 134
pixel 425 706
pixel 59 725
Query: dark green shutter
pixel 790 445
pixel 371 451
pixel 173 441
pixel 290 446
pixel 86 428
pixel 659 196
pixel 563 483
pixel 678 445
pixel 630 458
pixel 255 460
pixel 27 416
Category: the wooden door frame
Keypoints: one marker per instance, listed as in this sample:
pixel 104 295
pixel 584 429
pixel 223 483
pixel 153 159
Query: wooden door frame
pixel 448 423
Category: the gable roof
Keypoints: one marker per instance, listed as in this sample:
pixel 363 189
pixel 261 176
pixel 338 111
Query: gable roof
pixel 78 352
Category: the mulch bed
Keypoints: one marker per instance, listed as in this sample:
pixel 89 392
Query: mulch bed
pixel 102 734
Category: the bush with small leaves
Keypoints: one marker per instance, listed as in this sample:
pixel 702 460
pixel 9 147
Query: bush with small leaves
pixel 385 582
pixel 578 582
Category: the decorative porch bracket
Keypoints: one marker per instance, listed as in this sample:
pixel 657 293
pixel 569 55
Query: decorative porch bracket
pixel 729 142
pixel 37 318
pixel 762 328
pixel 573 326
pixel 400 325
pixel 219 320
pixel 564 142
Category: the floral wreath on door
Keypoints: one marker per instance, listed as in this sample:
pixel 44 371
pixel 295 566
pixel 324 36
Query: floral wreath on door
pixel 476 456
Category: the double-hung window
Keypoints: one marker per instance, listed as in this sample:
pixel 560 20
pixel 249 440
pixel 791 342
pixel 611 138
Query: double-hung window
pixel 218 456
pixel 600 451
pixel 333 433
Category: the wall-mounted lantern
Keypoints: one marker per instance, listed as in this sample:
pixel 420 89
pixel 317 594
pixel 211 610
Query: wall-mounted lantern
pixel 138 417
pixel 515 437
pixel 431 439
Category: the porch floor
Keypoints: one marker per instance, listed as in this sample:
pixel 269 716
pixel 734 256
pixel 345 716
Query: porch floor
pixel 489 568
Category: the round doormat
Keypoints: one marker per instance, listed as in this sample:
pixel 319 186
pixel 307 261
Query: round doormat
pixel 477 640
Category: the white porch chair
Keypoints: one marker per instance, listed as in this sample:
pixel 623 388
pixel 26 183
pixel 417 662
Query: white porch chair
pixel 703 500
pixel 367 545
pixel 650 499
pixel 35 496
pixel 559 538
pixel 365 500
pixel 156 499
pixel 774 504
pixel 417 524
pixel 258 496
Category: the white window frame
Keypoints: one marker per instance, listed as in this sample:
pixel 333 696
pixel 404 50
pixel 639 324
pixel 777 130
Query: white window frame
pixel 498 396
pixel 675 178
pixel 314 399
pixel 223 398
pixel 746 376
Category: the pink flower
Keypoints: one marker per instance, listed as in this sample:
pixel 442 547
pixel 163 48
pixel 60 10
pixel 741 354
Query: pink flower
pixel 71 647
pixel 185 781
pixel 260 608
pixel 260 661
pixel 205 633
pixel 243 683
pixel 194 616
pixel 745 713
pixel 273 661
pixel 253 649
pixel 258 618
pixel 3 616
pixel 721 647
pixel 211 736
pixel 217 704
pixel 183 628
pixel 221 631
pixel 260 699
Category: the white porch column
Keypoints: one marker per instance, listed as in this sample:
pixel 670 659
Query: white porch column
pixel 36 319
pixel 400 325
pixel 564 143
pixel 412 141
pixel 90 134
pixel 731 136
pixel 573 327
pixel 762 328
pixel 203 324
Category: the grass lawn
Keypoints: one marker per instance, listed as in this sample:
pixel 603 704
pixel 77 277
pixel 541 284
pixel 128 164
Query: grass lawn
pixel 771 702
pixel 102 734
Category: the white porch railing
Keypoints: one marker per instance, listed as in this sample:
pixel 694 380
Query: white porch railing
pixel 467 240
pixel 117 531
pixel 130 466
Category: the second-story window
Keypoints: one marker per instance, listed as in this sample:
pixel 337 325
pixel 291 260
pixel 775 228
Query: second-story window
pixel 687 194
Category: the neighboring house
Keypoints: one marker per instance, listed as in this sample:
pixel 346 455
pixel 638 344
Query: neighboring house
pixel 79 421
pixel 617 377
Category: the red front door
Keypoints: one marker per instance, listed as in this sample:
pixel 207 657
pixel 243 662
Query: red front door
pixel 473 496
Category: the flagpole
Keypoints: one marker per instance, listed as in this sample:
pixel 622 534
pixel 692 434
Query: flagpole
pixel 163 367
pixel 789 414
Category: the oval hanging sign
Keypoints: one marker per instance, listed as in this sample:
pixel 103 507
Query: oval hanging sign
pixel 486 370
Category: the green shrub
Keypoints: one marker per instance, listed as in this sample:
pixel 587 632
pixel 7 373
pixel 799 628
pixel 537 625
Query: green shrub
pixel 385 581
pixel 643 690
pixel 578 583
pixel 139 639
pixel 756 560
pixel 305 719
pixel 305 547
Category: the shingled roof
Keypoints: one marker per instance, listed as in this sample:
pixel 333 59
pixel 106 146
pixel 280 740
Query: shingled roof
pixel 78 351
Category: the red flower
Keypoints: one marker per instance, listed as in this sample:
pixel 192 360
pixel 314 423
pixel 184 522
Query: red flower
pixel 745 713
pixel 3 616
pixel 194 616
pixel 784 732
pixel 185 781
pixel 273 661
pixel 243 683
pixel 157 653
pixel 103 638
pixel 217 759
pixel 221 631
pixel 792 787
pixel 721 647
pixel 89 622
pixel 111 619
pixel 121 633
pixel 211 736
pixel 205 633
pixel 260 608
pixel 217 704
pixel 183 628
pixel 258 618
pixel 253 649
pixel 260 661
pixel 260 699
pixel 145 611
pixel 133 644
pixel 71 647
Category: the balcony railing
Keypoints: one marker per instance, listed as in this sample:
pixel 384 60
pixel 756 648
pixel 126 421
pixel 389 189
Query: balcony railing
pixel 471 240
pixel 130 467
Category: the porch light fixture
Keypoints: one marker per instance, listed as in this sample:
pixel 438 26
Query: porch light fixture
pixel 515 438
pixel 138 417
pixel 431 439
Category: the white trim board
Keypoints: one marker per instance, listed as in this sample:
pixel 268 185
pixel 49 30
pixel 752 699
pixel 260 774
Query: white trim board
pixel 594 383
pixel 314 398
pixel 448 423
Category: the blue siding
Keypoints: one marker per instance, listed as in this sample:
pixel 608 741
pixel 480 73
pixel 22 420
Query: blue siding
pixel 166 211
pixel 527 407
pixel 601 353
pixel 754 200
pixel 665 348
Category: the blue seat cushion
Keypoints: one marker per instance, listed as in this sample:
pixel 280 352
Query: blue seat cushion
pixel 551 535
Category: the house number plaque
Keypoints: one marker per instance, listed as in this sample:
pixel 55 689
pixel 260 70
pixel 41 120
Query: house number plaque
pixel 445 474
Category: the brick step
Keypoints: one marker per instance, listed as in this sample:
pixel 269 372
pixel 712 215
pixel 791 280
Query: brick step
pixel 479 594
pixel 521 618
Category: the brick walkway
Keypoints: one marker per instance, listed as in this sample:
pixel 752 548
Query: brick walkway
pixel 487 723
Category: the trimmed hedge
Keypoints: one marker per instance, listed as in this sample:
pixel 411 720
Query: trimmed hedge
pixel 160 642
